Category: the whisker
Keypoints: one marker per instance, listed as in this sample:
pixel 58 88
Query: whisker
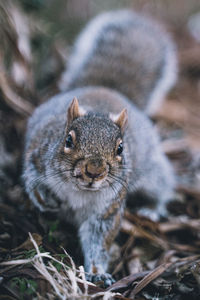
pixel 43 178
pixel 112 187
pixel 119 180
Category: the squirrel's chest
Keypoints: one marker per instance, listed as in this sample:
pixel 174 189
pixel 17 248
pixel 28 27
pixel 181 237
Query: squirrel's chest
pixel 85 204
pixel 76 205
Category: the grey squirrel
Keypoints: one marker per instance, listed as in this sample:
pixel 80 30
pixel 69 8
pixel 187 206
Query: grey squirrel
pixel 88 147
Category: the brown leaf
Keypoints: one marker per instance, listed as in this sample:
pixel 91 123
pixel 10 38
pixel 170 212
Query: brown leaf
pixel 126 282
pixel 150 277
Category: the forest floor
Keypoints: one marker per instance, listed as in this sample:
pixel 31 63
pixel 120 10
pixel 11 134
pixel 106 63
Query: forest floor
pixel 150 260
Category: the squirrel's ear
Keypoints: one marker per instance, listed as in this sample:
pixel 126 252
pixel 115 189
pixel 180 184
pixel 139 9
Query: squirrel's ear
pixel 74 111
pixel 121 120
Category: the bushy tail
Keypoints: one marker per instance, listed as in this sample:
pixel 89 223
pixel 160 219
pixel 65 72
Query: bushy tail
pixel 127 52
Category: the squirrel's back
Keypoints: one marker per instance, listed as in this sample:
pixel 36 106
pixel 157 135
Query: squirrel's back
pixel 127 52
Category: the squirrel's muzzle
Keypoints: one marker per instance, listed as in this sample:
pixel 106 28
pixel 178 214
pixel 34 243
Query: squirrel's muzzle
pixel 91 173
pixel 96 169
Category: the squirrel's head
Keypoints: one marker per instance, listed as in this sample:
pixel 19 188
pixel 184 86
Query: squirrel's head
pixel 94 147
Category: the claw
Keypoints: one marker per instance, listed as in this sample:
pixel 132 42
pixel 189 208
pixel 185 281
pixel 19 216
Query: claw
pixel 104 280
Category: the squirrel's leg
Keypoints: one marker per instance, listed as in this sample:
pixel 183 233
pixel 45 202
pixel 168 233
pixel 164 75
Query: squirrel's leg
pixel 96 235
pixel 157 184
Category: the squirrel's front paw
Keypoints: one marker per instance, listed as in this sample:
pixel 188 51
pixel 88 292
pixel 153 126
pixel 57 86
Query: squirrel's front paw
pixel 103 280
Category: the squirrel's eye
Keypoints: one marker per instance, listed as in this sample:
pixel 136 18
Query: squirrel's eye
pixel 69 141
pixel 120 149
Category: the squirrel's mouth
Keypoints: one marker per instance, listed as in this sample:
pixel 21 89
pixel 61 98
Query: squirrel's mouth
pixel 91 175
pixel 91 185
pixel 88 188
pixel 94 186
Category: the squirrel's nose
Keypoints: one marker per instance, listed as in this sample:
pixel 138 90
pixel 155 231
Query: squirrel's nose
pixel 95 169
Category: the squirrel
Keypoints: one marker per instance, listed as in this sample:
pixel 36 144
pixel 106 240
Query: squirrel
pixel 93 144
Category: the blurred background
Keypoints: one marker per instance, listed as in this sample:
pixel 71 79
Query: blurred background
pixel 44 31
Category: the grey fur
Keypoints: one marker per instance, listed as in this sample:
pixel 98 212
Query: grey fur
pixel 50 175
pixel 127 52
